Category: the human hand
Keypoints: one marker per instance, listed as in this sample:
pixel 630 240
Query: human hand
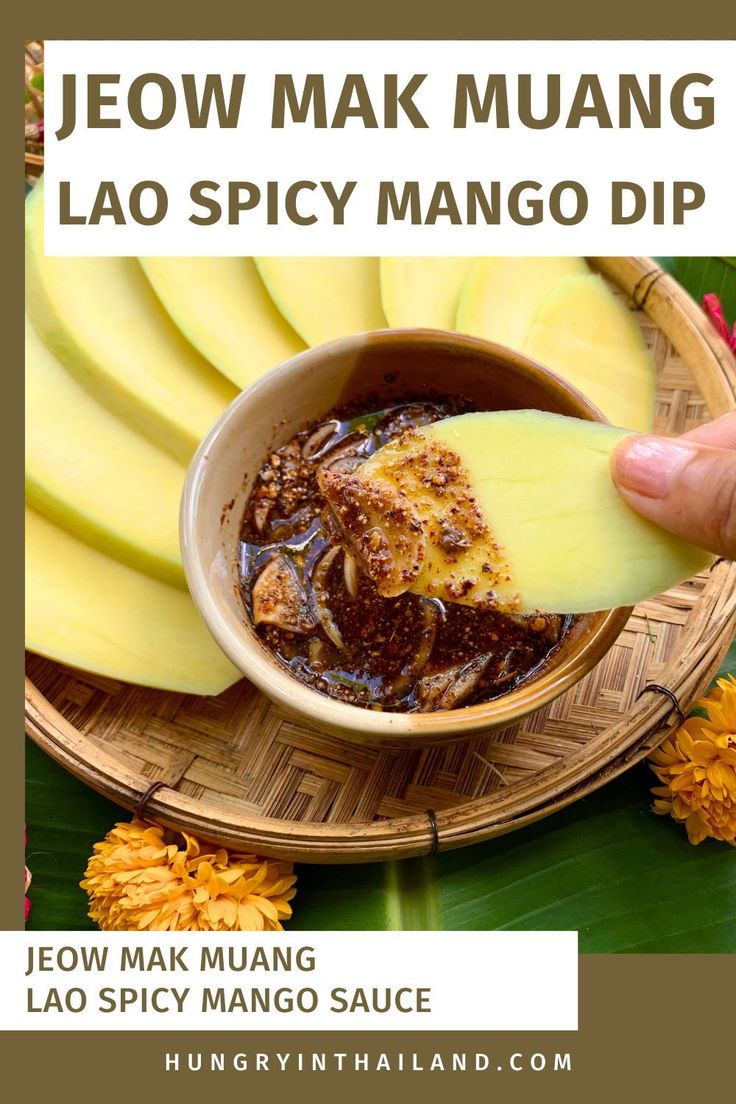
pixel 685 484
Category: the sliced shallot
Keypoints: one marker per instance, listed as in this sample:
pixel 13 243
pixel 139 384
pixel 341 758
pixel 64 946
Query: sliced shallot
pixel 413 669
pixel 344 465
pixel 319 442
pixel 279 599
pixel 349 448
pixel 450 688
pixel 319 590
pixel 350 575
pixel 430 689
pixel 261 510
pixel 466 682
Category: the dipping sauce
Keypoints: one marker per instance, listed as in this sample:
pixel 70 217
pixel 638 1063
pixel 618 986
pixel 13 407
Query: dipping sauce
pixel 325 621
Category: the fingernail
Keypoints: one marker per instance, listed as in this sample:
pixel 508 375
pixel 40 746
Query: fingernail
pixel 650 465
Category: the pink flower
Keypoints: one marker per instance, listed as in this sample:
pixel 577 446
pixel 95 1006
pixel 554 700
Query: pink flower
pixel 26 884
pixel 714 310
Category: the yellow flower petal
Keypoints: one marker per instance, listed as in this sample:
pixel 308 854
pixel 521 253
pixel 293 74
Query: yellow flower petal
pixel 137 880
pixel 696 769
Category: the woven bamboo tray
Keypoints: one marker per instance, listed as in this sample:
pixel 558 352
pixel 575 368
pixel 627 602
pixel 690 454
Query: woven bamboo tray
pixel 238 770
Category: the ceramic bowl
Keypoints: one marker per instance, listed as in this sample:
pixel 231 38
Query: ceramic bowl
pixel 371 370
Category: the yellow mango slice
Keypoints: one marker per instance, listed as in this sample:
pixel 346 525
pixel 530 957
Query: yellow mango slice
pixel 423 291
pixel 104 322
pixel 513 510
pixel 92 612
pixel 222 307
pixel 325 297
pixel 502 295
pixel 91 473
pixel 588 337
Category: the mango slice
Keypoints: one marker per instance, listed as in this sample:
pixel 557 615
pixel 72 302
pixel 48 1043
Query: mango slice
pixel 502 295
pixel 513 510
pixel 94 475
pixel 222 307
pixel 588 337
pixel 92 612
pixel 555 311
pixel 325 297
pixel 423 291
pixel 102 319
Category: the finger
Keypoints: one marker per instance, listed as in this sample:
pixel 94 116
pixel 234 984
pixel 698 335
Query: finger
pixel 720 433
pixel 683 486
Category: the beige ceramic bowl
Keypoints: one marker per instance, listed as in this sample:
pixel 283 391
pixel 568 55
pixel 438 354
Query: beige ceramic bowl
pixel 373 369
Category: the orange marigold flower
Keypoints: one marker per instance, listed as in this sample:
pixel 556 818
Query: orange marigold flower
pixel 140 879
pixel 697 769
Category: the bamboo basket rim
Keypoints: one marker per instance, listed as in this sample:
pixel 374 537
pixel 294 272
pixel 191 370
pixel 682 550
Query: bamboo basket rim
pixel 699 651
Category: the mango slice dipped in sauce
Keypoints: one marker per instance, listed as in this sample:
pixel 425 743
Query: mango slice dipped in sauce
pixel 506 510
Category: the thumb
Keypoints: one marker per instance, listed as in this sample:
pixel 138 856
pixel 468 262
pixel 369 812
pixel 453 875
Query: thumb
pixel 683 486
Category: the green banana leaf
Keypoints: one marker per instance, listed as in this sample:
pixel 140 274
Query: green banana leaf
pixel 626 880
pixel 700 275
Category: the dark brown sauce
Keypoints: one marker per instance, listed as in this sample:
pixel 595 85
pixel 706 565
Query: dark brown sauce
pixel 326 622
